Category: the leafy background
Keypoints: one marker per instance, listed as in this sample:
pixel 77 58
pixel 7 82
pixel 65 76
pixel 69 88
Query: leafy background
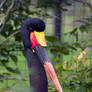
pixel 74 75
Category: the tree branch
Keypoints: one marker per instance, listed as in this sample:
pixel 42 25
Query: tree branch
pixel 9 37
pixel 7 15
pixel 12 78
pixel 82 1
pixel 2 3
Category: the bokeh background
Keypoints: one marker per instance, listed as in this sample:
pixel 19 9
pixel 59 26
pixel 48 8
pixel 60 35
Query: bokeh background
pixel 68 33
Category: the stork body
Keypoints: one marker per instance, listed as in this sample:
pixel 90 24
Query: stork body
pixel 37 57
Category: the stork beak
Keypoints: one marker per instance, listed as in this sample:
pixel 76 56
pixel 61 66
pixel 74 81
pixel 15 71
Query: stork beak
pixel 39 46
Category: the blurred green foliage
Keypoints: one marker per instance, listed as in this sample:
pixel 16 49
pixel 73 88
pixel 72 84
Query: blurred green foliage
pixel 74 75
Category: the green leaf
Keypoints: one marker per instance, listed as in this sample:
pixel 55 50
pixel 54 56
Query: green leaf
pixel 78 45
pixel 89 42
pixel 73 32
pixel 18 38
pixel 14 58
pixel 4 62
pixel 13 70
pixel 52 38
pixel 7 74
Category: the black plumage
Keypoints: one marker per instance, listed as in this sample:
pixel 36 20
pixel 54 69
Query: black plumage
pixel 38 79
pixel 29 25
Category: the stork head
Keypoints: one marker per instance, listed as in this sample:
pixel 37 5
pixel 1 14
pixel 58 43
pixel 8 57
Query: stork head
pixel 32 33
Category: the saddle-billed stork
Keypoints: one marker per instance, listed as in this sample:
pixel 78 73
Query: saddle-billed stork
pixel 32 34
